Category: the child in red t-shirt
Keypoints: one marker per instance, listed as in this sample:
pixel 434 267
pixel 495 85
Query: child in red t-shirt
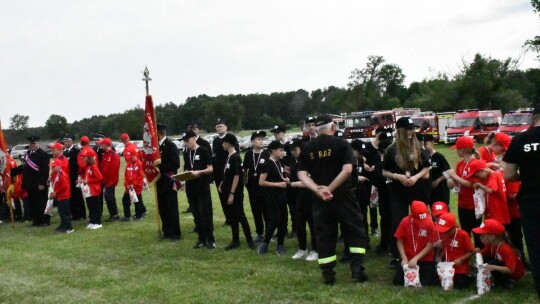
pixel 504 262
pixel 61 192
pixel 437 209
pixel 133 179
pixel 415 237
pixel 492 182
pixel 91 176
pixel 456 246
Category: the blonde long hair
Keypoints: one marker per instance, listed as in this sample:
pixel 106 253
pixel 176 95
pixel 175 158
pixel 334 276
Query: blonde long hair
pixel 408 151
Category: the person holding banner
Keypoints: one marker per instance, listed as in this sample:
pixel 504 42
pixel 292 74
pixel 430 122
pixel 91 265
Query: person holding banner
pixel 167 188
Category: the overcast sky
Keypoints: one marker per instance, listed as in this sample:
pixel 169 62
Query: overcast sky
pixel 81 58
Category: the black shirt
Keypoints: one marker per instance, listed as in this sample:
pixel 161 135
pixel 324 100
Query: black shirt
pixel 439 164
pixel 524 151
pixel 35 170
pixel 233 167
pixel 390 161
pixel 274 174
pixel 252 166
pixel 219 157
pixel 324 157
pixel 198 159
pixel 71 154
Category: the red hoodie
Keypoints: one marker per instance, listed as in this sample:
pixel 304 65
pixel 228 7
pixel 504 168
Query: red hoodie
pixel 110 166
pixel 61 187
pixel 133 176
pixel 92 176
pixel 80 159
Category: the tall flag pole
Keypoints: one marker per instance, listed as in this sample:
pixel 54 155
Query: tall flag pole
pixel 5 170
pixel 151 154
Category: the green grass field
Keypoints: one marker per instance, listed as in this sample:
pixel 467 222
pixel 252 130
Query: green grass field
pixel 126 263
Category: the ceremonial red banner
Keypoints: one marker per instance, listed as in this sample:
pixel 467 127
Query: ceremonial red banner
pixel 5 163
pixel 150 149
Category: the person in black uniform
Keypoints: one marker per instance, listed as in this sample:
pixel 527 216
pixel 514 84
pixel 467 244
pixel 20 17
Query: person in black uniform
pixel 325 168
pixel 231 191
pixel 166 187
pixel 439 164
pixel 71 151
pixel 219 157
pixel 520 162
pixel 197 159
pixel 98 137
pixel 35 172
pixel 407 166
pixel 361 183
pixel 254 159
pixel 310 128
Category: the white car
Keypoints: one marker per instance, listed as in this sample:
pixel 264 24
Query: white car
pixel 18 151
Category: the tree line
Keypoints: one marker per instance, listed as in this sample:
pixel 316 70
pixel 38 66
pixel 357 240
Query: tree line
pixel 483 82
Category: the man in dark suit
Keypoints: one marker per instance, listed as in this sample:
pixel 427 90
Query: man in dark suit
pixel 71 151
pixel 166 186
pixel 35 172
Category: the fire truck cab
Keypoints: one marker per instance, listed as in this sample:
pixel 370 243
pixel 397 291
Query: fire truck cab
pixel 362 125
pixel 473 123
pixel 517 121
pixel 432 123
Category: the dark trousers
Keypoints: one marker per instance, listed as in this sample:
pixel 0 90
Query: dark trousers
pixel 530 219
pixel 64 210
pixel 236 215
pixel 4 208
pixel 26 206
pixel 291 204
pixel 468 221
pixel 224 206
pixel 462 280
pixel 110 199
pixel 373 217
pixel 277 206
pixel 427 272
pixel 399 210
pixel 304 215
pixel 78 209
pixel 17 212
pixel 126 204
pixel 37 201
pixel 343 210
pixel 516 235
pixel 258 208
pixel 201 207
pixel 95 209
pixel 385 211
pixel 168 209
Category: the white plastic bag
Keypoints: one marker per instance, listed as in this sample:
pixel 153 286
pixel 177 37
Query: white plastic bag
pixel 374 197
pixel 446 272
pixel 411 276
pixel 85 189
pixel 479 198
pixel 49 208
pixel 483 278
pixel 133 196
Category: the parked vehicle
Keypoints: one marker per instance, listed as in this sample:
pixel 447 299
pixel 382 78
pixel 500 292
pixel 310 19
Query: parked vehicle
pixel 473 123
pixel 362 125
pixel 119 148
pixel 432 123
pixel 179 144
pixel 18 151
pixel 405 112
pixel 517 121
pixel 244 143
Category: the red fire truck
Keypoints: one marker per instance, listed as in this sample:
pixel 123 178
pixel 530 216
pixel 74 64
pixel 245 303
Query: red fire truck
pixel 473 123
pixel 362 125
pixel 517 121
pixel 432 123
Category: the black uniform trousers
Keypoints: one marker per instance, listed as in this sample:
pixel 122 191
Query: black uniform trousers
pixel 223 201
pixel 362 198
pixel 95 209
pixel 110 199
pixel 373 216
pixel 168 208
pixel 235 214
pixel 37 201
pixel 385 211
pixel 126 204
pixel 468 221
pixel 259 208
pixel 18 209
pixel 201 207
pixel 64 210
pixel 516 235
pixel 277 207
pixel 343 210
pixel 304 215
pixel 291 203
pixel 530 219
pixel 78 209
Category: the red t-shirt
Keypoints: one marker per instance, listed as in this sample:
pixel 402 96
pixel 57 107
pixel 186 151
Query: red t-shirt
pixel 465 195
pixel 507 255
pixel 456 246
pixel 486 155
pixel 415 239
pixel 92 176
pixel 496 206
pixel 61 185
pixel 65 164
pixel 512 187
pixel 133 176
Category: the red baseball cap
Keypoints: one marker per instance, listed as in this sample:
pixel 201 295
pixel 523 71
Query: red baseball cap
pixel 88 152
pixel 56 163
pixel 420 214
pixel 463 142
pixel 439 208
pixel 106 141
pixel 504 139
pixel 56 145
pixel 446 222
pixel 489 226
pixel 474 166
pixel 85 139
pixel 124 136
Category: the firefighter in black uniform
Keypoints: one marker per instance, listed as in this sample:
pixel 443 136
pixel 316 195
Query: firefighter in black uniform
pixel 326 167
pixel 166 186
pixel 35 172
pixel 71 151
pixel 521 163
